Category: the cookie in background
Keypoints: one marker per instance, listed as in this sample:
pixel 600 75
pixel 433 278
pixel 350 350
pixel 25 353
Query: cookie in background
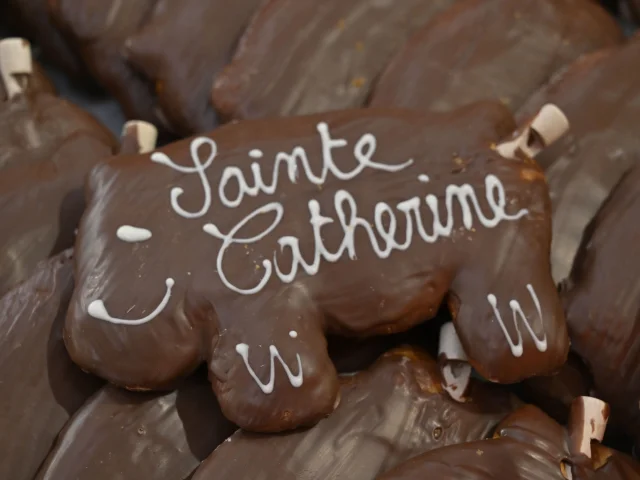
pixel 602 302
pixel 492 50
pixel 139 435
pixel 300 57
pixel 98 30
pixel 40 387
pixel 529 445
pixel 393 411
pixel 47 146
pixel 600 94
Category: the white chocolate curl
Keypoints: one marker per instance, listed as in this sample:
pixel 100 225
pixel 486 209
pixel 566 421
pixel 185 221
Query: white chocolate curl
pixel 546 128
pixel 587 422
pixel 145 133
pixel 456 372
pixel 15 59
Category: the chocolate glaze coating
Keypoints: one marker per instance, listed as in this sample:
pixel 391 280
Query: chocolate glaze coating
pixel 47 146
pixel 99 29
pixel 32 18
pixel 139 435
pixel 181 49
pixel 602 303
pixel 600 94
pixel 189 309
pixel 393 411
pixel 456 60
pixel 329 55
pixel 528 446
pixel 40 388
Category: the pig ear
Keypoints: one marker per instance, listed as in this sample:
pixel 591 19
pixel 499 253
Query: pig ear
pixel 138 137
pixel 15 59
pixel 455 370
pixel 587 422
pixel 543 130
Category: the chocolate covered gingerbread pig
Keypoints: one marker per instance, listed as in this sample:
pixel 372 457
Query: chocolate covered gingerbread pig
pixel 245 248
pixel 98 30
pixel 501 49
pixel 394 411
pixel 600 94
pixel 602 302
pixel 150 436
pixel 40 387
pixel 181 49
pixel 301 56
pixel 528 445
pixel 47 147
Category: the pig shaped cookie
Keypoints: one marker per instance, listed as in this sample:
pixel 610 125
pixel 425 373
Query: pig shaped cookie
pixel 139 436
pixel 600 94
pixel 244 248
pixel 181 49
pixel 40 387
pixel 98 30
pixel 47 146
pixel 303 56
pixel 528 445
pixel 602 302
pixel 455 59
pixel 394 411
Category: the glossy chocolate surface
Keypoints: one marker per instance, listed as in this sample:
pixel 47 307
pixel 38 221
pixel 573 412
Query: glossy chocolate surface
pixel 329 54
pixel 456 59
pixel 388 414
pixel 602 301
pixel 47 146
pixel 99 29
pixel 126 435
pixel 528 446
pixel 40 388
pixel 149 309
pixel 600 94
pixel 32 19
pixel 181 49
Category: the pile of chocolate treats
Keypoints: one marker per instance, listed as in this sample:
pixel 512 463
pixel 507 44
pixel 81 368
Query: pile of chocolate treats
pixel 336 239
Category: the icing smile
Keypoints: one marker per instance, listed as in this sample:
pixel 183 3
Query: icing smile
pixel 98 310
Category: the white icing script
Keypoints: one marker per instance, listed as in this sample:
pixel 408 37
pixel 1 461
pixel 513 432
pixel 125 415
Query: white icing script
pixel 517 348
pixel 130 234
pixel 383 238
pixel 98 310
pixel 267 388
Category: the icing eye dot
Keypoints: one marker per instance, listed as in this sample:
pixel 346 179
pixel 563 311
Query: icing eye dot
pixel 130 234
pixel 255 153
pixel 423 178
pixel 293 334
